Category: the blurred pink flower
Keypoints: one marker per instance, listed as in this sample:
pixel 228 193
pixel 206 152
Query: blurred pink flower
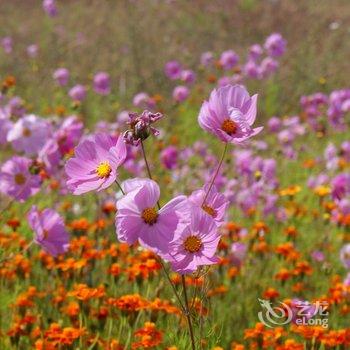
pixel 275 45
pixel 173 70
pixel 50 232
pixel 77 93
pixel 61 75
pixel 102 84
pixel 29 134
pixel 16 180
pixel 181 93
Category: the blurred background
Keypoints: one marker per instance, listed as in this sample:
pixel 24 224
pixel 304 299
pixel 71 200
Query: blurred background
pixel 132 40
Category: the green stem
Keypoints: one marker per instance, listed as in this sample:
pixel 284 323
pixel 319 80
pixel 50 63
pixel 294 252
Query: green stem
pixel 183 309
pixel 147 166
pixel 120 187
pixel 216 173
pixel 188 315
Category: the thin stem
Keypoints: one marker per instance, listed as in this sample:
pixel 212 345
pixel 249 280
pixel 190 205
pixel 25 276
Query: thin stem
pixel 148 167
pixel 145 158
pixel 172 285
pixel 216 173
pixel 188 315
pixel 120 187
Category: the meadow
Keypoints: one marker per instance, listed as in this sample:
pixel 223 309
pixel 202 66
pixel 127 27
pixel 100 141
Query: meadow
pixel 174 174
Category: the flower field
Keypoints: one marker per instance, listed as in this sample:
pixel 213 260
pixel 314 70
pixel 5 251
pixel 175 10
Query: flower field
pixel 174 175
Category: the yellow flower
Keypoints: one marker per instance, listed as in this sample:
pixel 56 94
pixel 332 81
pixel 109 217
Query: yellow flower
pixel 290 191
pixel 322 191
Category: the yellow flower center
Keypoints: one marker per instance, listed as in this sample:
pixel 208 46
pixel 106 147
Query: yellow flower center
pixel 103 170
pixel 26 132
pixel 211 211
pixel 229 126
pixel 20 179
pixel 193 244
pixel 150 216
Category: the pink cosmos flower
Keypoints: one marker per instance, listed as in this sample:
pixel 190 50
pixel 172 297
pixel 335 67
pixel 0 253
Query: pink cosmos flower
pixel 139 219
pixel 143 100
pixel 228 59
pixel 180 93
pixel 69 133
pixel 50 7
pixel 238 253
pixel 173 70
pixel 50 156
pixel 29 134
pixel 195 245
pixel 252 70
pixel 207 58
pixel 61 75
pixel 77 93
pixel 102 84
pixel 255 52
pixel 215 204
pixel 50 232
pixel 229 114
pixel 95 164
pixel 32 50
pixel 268 66
pixel 16 180
pixel 188 76
pixel 275 45
pixel 169 157
pixel 15 107
pixel 7 44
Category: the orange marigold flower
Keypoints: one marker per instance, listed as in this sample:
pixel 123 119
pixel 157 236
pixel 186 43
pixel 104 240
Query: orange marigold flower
pixel 217 291
pixel 44 345
pixel 298 287
pixel 80 224
pixel 290 191
pixel 115 269
pixel 235 346
pixel 149 336
pixel 255 332
pixel 9 82
pixel 271 293
pixel 260 247
pixel 283 275
pixel 260 229
pixel 109 207
pixel 164 305
pixel 14 223
pixel 84 293
pixel 72 309
pixel 233 272
pixel 66 336
pixel 129 303
pixel 291 231
pixel 290 344
pixel 302 268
